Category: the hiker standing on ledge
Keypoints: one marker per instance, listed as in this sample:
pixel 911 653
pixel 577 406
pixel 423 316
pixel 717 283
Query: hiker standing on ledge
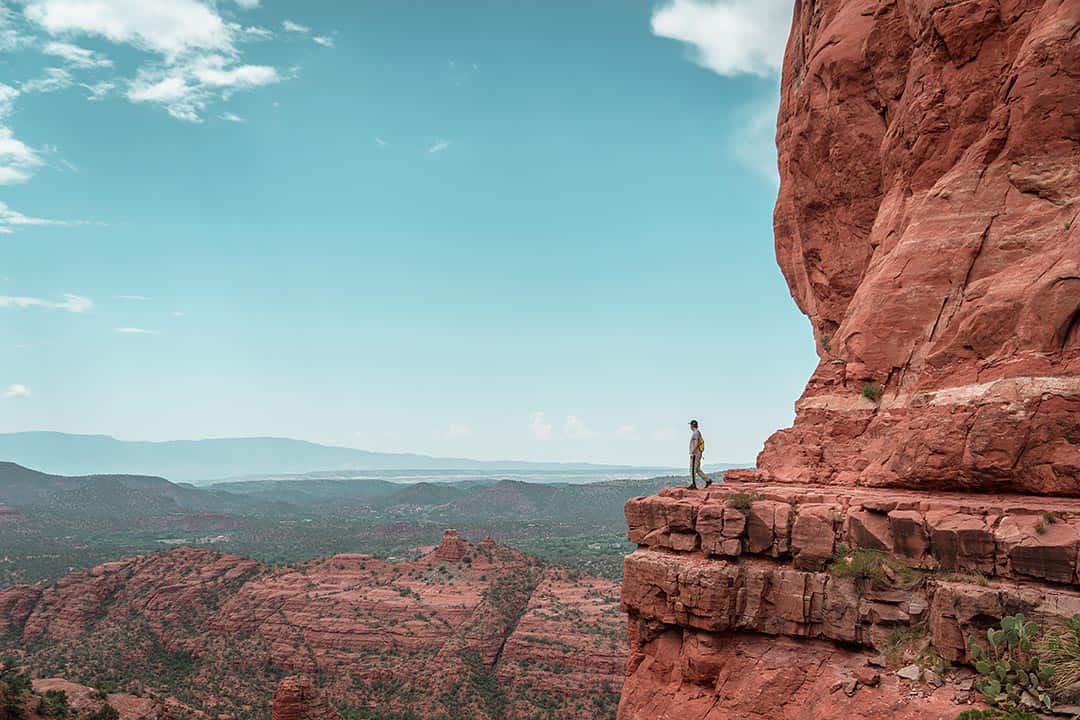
pixel 697 449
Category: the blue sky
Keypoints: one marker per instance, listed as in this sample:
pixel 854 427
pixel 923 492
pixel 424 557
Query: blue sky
pixel 525 230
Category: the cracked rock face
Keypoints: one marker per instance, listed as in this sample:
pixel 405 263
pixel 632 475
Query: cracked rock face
pixel 927 223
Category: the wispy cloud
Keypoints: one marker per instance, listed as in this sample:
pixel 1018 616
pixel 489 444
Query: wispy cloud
pixel 77 56
pixel 99 90
pixel 70 303
pixel 51 79
pixel 539 425
pixel 198 54
pixel 295 27
pixel 135 331
pixel 16 391
pixel 10 219
pixel 135 298
pixel 627 431
pixel 753 142
pixel 380 142
pixel 323 40
pixel 18 161
pixel 438 146
pixel 232 117
pixel 186 89
pixel 729 37
pixel 575 428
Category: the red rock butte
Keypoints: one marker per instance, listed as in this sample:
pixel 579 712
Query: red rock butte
pixel 296 698
pixel 927 223
pixel 452 548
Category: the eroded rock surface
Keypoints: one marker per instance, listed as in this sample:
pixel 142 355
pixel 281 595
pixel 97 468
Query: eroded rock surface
pixel 296 698
pixel 728 587
pixel 491 634
pixel 927 223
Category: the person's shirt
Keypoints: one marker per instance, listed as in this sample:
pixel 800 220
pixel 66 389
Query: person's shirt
pixel 695 442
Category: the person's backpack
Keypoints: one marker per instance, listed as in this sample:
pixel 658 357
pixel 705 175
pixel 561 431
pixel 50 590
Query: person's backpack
pixel 700 445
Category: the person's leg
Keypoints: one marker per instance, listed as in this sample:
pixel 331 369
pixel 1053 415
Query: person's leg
pixel 699 472
pixel 693 477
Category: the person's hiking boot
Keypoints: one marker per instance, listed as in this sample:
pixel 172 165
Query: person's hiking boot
pixel 708 482
pixel 692 486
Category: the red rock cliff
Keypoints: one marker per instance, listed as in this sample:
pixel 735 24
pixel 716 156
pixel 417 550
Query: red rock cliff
pixel 927 223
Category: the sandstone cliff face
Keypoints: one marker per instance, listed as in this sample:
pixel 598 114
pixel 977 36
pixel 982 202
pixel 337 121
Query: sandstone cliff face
pixel 927 223
pixel 734 612
pixel 492 633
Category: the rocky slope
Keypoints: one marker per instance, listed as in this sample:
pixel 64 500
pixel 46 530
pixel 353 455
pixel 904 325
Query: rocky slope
pixel 470 630
pixel 927 223
pixel 728 587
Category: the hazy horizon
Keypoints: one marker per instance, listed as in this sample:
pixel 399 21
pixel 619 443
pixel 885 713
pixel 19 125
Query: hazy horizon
pixel 399 227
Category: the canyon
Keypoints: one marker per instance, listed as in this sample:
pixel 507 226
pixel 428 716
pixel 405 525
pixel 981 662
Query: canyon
pixel 466 629
pixel 929 157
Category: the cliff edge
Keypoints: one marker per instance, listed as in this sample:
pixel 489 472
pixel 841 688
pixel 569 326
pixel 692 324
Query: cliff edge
pixel 927 223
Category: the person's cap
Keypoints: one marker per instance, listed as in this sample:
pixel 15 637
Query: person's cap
pixel 693 423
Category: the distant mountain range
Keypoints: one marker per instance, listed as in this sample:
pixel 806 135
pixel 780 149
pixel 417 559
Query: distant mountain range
pixel 201 461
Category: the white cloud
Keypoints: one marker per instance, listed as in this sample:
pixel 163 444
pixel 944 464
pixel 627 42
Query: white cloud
pixel 380 142
pixel 215 72
pixel 135 331
pixel 177 313
pixel 98 91
pixel 627 431
pixel 439 146
pixel 18 161
pixel 575 428
pixel 136 298
pixel 753 143
pixel 247 4
pixel 170 28
pixel 70 303
pixel 17 391
pixel 76 56
pixel 539 426
pixel 9 219
pixel 730 37
pixel 10 38
pixel 232 117
pixel 323 40
pixel 50 80
pixel 186 90
pixel 199 61
pixel 295 27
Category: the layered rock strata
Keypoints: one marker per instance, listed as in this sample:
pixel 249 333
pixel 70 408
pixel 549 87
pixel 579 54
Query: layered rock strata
pixel 928 223
pixel 717 572
pixel 296 698
pixel 492 634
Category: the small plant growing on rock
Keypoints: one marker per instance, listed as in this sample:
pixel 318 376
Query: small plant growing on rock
pixel 1060 646
pixel 1011 674
pixel 861 564
pixel 825 337
pixel 872 392
pixel 741 501
pixel 880 569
